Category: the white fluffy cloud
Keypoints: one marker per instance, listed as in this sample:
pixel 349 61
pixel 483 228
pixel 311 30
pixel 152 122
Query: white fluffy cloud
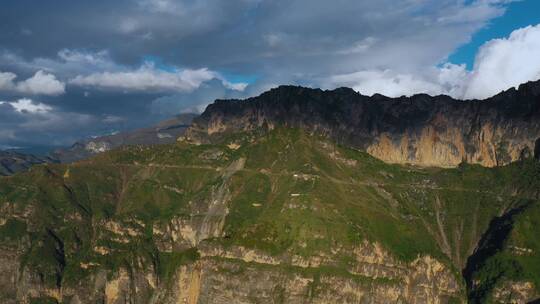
pixel 6 80
pixel 450 79
pixel 25 105
pixel 504 63
pixel 41 83
pixel 386 82
pixel 499 65
pixel 150 78
pixel 25 120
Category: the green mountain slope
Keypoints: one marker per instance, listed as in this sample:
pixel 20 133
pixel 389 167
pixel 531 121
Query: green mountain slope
pixel 277 216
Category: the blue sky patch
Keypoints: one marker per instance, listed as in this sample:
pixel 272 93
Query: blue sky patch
pixel 518 15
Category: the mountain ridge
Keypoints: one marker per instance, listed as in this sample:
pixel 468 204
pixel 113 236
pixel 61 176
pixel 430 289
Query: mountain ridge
pixel 164 132
pixel 12 162
pixel 420 130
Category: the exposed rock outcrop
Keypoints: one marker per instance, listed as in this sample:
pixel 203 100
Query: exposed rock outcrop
pixel 421 130
pixel 515 292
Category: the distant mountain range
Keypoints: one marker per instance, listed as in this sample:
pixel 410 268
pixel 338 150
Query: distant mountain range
pixel 13 162
pixel 165 132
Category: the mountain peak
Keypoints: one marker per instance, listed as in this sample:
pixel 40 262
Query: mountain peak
pixel 530 88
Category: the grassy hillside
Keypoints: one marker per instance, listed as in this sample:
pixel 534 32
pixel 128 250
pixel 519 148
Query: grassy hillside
pixel 296 195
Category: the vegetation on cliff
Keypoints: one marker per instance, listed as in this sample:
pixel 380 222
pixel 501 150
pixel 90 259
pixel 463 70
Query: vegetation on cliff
pixel 297 196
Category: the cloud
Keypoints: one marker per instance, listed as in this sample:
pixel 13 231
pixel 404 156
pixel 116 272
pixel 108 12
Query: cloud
pixel 42 83
pixel 500 64
pixel 111 119
pixel 193 102
pixel 54 122
pixel 386 82
pixel 68 63
pixel 449 79
pixel 150 78
pixel 191 33
pixel 26 105
pixel 359 46
pixel 504 63
pixel 94 59
pixel 6 80
pixel 25 122
pixel 99 48
pixel 163 6
pixel 6 135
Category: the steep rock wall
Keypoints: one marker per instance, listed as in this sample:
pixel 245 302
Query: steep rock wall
pixel 420 130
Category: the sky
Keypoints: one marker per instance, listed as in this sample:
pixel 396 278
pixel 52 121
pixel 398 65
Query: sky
pixel 71 69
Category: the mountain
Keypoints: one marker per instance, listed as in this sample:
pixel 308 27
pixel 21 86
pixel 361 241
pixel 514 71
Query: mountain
pixel 165 132
pixel 12 162
pixel 273 200
pixel 419 130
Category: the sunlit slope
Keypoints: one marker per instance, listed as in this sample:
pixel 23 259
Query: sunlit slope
pixel 284 194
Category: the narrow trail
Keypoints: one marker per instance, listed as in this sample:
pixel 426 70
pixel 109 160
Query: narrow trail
pixel 329 178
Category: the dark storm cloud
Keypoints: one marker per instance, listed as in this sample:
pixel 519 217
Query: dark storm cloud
pixel 129 63
pixel 81 113
pixel 130 29
pixel 240 34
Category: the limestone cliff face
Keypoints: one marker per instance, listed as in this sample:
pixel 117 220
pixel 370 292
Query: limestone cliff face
pixel 220 276
pixel 420 130
pixel 374 276
pixel 223 274
pixel 246 276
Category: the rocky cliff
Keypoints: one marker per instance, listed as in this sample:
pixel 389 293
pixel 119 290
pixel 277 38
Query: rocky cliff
pixel 276 216
pixel 420 130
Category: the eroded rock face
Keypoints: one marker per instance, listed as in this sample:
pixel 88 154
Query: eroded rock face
pixel 206 220
pixel 515 292
pixel 250 277
pixel 9 276
pixel 420 130
pixel 237 274
pixel 374 277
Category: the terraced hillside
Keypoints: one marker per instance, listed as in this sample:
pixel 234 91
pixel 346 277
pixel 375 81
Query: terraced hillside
pixel 268 216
